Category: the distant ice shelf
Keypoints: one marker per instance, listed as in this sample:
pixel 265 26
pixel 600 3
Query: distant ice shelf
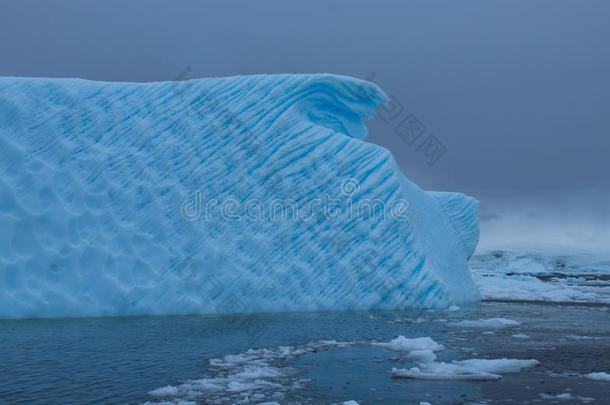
pixel 159 198
pixel 566 278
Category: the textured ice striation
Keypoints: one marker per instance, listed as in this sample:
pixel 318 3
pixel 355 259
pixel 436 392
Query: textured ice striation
pixel 129 198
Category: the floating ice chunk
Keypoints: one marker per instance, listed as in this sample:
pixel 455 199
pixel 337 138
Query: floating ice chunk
pixel 424 356
pixel 438 374
pixel 493 323
pixel 238 386
pixel 473 369
pixel 496 365
pixel 403 344
pixel 580 337
pixel 520 336
pixel 166 391
pixel 255 372
pixel 601 376
pixel 565 397
pixel 352 402
pixel 259 374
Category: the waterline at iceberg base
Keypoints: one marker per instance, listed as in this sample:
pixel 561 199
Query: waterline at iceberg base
pixel 105 190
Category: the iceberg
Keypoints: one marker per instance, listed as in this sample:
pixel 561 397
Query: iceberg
pixel 216 196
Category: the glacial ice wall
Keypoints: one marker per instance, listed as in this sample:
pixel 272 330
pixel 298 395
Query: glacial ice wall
pixel 227 195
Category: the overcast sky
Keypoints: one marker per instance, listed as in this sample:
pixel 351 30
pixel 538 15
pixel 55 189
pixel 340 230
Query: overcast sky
pixel 518 92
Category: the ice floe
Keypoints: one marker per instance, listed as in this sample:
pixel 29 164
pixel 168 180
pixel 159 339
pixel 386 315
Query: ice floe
pixel 600 376
pixel 403 344
pixel 566 396
pixel 491 323
pixel 472 369
pixel 424 356
pixel 255 376
pixel 509 276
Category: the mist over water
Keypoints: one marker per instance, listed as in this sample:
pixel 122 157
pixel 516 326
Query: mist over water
pixel 553 223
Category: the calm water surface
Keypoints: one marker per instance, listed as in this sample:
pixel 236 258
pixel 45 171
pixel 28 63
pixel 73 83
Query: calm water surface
pixel 119 360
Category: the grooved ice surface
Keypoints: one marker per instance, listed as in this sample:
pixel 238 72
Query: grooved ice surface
pixel 99 186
